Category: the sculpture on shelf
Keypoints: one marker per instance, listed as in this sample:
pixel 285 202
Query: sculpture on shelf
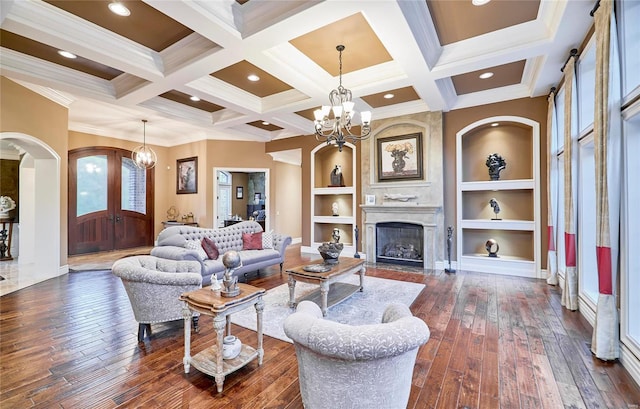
pixel 336 177
pixel 336 235
pixel 232 262
pixel 449 245
pixel 334 209
pixel 496 208
pixel 492 247
pixel 495 163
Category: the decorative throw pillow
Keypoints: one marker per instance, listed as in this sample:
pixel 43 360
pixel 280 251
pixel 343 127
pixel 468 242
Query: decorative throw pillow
pixel 252 241
pixel 195 245
pixel 210 248
pixel 267 240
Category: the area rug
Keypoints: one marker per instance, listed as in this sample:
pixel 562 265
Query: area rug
pixel 360 308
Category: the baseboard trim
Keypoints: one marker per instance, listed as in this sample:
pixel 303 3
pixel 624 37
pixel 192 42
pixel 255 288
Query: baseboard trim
pixel 442 265
pixel 630 362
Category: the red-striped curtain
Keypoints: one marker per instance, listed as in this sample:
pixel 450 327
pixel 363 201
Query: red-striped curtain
pixel 552 190
pixel 607 129
pixel 570 290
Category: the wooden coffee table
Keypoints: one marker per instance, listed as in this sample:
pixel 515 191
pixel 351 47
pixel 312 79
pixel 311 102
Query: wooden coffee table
pixel 331 291
pixel 208 302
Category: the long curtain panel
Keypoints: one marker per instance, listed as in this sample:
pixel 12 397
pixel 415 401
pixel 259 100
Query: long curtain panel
pixel 608 157
pixel 552 193
pixel 570 290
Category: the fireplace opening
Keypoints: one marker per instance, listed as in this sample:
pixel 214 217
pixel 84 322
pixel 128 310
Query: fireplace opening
pixel 400 243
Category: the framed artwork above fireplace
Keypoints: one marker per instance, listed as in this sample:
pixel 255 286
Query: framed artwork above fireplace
pixel 400 157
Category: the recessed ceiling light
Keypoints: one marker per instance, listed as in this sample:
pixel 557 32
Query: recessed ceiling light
pixel 495 124
pixel 486 75
pixel 194 98
pixel 388 96
pixel 479 2
pixel 119 9
pixel 253 77
pixel 265 123
pixel 66 54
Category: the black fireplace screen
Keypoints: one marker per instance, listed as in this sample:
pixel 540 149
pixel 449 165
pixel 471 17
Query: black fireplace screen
pixel 399 243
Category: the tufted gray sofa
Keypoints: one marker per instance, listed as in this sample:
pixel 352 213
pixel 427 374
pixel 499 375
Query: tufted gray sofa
pixel 154 285
pixel 366 366
pixel 171 243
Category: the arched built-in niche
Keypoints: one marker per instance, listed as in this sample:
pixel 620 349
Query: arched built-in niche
pixel 517 192
pixel 40 220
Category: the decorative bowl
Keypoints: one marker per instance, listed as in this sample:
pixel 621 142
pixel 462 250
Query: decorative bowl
pixel 330 252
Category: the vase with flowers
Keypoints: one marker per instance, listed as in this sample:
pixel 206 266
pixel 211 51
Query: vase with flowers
pixel 399 152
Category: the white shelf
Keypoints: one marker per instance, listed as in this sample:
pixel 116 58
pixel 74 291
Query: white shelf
pixel 333 219
pixel 484 224
pixel 498 185
pixel 507 265
pixel 348 190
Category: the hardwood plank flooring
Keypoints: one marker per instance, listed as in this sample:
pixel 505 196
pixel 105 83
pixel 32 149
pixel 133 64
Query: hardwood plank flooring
pixel 496 342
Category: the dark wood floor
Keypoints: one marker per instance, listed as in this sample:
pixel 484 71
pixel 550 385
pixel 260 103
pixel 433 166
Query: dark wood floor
pixel 496 342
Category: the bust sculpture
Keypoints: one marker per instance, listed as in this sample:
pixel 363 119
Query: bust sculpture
pixel 495 163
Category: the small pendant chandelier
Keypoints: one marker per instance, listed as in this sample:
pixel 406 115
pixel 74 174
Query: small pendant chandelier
pixel 143 156
pixel 337 130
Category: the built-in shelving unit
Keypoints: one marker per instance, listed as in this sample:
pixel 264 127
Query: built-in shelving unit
pixel 516 228
pixel 323 195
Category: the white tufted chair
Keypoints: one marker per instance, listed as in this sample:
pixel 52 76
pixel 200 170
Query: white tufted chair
pixel 344 366
pixel 153 285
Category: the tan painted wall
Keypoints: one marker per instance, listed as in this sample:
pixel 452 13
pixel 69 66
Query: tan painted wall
pixel 532 108
pixel 288 195
pixel 24 111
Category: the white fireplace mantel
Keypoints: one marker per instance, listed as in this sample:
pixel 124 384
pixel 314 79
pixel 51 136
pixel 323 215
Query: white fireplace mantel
pixel 424 215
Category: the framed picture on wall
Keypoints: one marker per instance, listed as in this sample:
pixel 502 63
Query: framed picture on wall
pixel 187 175
pixel 239 192
pixel 400 157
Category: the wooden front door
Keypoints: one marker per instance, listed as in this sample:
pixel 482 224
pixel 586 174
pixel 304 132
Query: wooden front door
pixel 110 201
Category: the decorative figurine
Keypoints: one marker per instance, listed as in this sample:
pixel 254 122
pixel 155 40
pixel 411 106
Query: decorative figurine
pixel 496 208
pixel 356 234
pixel 336 235
pixel 492 247
pixel 6 205
pixel 449 244
pixel 334 209
pixel 336 177
pixel 232 262
pixel 495 163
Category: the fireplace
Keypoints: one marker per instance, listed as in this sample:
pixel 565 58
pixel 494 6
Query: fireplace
pixel 416 220
pixel 400 243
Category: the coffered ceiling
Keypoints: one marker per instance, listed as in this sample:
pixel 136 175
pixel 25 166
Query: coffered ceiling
pixel 428 55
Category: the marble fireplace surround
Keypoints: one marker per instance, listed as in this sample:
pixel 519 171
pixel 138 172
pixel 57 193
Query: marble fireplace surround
pixel 409 201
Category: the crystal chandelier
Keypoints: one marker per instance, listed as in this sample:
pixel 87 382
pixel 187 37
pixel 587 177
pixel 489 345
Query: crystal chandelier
pixel 338 129
pixel 143 156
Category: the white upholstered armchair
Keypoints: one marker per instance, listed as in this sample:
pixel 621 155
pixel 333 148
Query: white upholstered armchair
pixel 154 284
pixel 344 366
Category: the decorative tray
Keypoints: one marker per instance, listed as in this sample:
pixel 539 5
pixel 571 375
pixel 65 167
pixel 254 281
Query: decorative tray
pixel 317 268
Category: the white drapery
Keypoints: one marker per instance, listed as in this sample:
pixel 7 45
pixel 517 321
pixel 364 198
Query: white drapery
pixel 570 290
pixel 552 190
pixel 607 130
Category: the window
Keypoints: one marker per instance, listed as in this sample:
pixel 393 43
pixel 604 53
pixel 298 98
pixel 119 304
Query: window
pixel 560 235
pixel 586 89
pixel 91 184
pixel 587 222
pixel 630 39
pixel 133 187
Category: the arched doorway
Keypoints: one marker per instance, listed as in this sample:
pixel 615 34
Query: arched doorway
pixel 39 209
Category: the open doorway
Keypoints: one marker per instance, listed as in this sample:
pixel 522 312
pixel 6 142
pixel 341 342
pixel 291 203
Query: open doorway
pixel 241 194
